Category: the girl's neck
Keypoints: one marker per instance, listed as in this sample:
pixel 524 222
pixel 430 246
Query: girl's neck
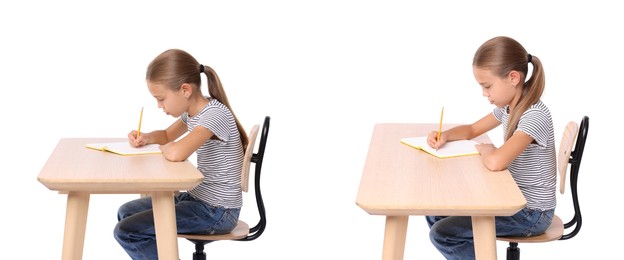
pixel 197 104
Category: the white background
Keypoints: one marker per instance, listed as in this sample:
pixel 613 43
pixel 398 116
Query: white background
pixel 326 72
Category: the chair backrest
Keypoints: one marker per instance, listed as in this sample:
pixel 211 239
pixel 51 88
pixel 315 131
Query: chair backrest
pixel 252 136
pixel 565 150
pixel 574 160
pixel 257 158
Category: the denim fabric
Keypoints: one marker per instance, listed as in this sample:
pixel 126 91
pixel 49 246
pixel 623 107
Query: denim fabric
pixel 452 236
pixel 135 230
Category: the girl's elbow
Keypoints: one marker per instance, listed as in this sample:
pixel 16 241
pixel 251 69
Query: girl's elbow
pixel 494 165
pixel 174 157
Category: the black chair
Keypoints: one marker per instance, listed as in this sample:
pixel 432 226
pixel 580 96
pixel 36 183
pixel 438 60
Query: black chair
pixel 557 230
pixel 242 232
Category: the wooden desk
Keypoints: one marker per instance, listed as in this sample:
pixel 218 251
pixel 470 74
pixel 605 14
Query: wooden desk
pixel 399 181
pixel 80 171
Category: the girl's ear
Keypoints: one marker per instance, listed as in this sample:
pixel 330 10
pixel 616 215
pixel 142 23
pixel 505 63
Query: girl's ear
pixel 187 90
pixel 514 77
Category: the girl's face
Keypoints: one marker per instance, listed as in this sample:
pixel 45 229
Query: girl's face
pixel 172 102
pixel 499 91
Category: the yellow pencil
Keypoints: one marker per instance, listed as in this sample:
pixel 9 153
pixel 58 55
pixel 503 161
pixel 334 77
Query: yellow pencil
pixel 440 129
pixel 140 120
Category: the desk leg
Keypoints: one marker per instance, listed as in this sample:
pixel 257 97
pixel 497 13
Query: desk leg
pixel 165 222
pixel 394 237
pixel 484 232
pixel 75 224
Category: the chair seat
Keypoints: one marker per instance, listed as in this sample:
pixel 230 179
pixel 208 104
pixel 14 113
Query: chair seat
pixel 240 231
pixel 554 232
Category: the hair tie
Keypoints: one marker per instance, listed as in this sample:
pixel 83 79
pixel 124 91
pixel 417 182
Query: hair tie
pixel 201 67
pixel 529 57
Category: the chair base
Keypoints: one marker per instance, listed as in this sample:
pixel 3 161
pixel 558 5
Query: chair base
pixel 513 251
pixel 197 256
pixel 199 251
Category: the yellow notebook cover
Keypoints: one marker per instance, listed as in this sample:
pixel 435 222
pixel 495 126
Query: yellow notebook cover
pixel 124 148
pixel 448 150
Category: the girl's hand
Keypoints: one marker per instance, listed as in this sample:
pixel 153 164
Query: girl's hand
pixel 136 141
pixel 485 149
pixel 432 139
pixel 171 152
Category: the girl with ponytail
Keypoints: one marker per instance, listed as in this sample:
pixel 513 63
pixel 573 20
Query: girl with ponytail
pixel 500 66
pixel 212 132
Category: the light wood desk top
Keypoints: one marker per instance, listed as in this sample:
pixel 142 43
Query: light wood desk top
pixel 399 181
pixel 79 171
pixel 73 167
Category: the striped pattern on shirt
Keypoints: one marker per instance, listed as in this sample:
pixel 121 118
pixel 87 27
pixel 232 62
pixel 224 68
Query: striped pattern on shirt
pixel 219 160
pixel 535 170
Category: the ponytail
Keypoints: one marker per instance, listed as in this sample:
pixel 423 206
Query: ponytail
pixel 216 91
pixel 531 94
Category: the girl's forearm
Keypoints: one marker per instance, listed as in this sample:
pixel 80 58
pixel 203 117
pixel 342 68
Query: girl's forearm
pixel 156 137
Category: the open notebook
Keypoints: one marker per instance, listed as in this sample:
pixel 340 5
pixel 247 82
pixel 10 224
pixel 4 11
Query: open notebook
pixel 124 148
pixel 448 150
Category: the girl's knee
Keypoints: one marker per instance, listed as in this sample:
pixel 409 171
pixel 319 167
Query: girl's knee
pixel 122 212
pixel 118 232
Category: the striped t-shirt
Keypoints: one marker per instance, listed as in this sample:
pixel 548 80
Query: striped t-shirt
pixel 535 170
pixel 220 159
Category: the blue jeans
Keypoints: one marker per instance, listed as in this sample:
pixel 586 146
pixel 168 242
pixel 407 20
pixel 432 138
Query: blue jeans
pixel 452 236
pixel 135 230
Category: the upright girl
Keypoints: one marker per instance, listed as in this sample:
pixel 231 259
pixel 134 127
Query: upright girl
pixel 214 133
pixel 500 66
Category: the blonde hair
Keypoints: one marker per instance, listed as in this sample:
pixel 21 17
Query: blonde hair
pixel 501 55
pixel 175 67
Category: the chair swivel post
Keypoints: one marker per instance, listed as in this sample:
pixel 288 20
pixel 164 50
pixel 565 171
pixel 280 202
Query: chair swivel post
pixel 199 253
pixel 513 251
